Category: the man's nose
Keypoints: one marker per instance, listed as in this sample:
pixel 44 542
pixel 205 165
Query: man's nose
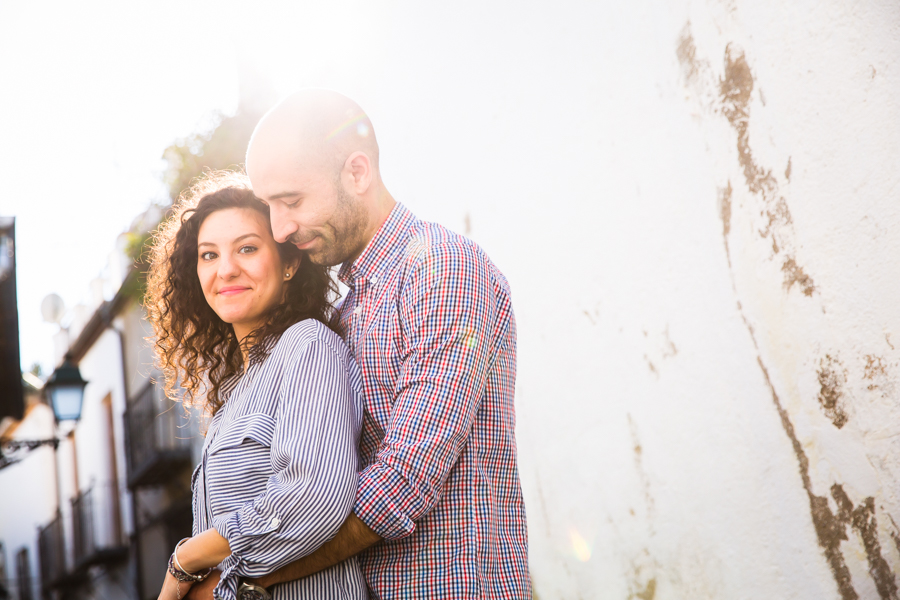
pixel 282 227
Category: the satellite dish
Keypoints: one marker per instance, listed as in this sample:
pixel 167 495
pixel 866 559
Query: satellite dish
pixel 52 308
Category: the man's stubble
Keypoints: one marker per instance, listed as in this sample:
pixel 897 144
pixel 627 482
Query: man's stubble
pixel 347 226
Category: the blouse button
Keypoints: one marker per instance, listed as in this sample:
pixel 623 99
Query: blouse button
pixel 275 522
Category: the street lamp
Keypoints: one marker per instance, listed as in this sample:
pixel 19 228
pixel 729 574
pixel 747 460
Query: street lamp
pixel 66 390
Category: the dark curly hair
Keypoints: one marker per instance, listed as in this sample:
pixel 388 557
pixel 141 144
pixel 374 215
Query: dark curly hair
pixel 196 348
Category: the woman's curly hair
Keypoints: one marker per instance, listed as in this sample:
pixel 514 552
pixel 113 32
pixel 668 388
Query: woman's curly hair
pixel 195 348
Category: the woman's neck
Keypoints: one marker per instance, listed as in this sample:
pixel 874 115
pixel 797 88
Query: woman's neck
pixel 242 332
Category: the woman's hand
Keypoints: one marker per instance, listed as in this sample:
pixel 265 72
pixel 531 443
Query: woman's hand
pixel 173 589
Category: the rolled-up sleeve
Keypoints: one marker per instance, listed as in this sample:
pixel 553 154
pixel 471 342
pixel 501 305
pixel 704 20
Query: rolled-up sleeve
pixel 446 310
pixel 315 462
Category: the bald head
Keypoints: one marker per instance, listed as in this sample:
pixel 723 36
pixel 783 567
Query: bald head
pixel 313 160
pixel 316 128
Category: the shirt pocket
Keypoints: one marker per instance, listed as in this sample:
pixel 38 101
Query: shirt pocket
pixel 256 427
pixel 239 462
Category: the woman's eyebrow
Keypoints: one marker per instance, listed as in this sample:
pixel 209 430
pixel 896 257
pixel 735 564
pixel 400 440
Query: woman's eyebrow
pixel 245 236
pixel 236 240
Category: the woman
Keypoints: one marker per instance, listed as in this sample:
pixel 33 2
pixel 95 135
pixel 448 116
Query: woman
pixel 240 323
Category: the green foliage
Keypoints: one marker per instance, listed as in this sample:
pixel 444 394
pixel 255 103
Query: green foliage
pixel 223 147
pixel 137 246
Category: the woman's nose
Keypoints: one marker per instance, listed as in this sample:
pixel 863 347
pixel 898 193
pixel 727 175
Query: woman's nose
pixel 228 268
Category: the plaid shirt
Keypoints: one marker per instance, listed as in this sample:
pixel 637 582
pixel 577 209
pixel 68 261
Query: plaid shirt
pixel 429 320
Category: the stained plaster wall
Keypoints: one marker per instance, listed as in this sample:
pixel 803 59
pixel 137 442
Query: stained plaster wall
pixel 697 205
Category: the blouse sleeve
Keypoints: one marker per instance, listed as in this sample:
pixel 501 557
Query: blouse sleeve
pixel 314 458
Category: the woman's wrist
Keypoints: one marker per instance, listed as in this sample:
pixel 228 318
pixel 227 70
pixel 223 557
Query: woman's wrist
pixel 188 561
pixel 203 551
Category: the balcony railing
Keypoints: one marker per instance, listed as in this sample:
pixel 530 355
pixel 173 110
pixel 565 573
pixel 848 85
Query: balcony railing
pixel 52 549
pixel 158 443
pixel 96 527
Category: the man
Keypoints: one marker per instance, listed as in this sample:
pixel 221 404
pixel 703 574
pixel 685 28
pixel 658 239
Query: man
pixel 439 510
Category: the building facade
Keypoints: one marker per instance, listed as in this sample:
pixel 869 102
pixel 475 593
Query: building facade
pixel 97 517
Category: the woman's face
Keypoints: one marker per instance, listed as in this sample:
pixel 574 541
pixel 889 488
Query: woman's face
pixel 239 267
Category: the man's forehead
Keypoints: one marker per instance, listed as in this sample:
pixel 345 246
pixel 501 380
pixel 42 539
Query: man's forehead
pixel 280 177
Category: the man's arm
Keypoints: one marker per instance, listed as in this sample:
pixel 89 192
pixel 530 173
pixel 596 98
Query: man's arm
pixel 448 314
pixel 353 537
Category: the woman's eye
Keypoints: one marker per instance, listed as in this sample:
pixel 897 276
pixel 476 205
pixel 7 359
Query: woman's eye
pixel 247 249
pixel 208 256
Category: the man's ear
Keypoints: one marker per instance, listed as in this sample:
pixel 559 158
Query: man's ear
pixel 358 168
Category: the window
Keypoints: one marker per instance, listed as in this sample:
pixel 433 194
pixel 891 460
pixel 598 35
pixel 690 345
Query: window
pixel 23 574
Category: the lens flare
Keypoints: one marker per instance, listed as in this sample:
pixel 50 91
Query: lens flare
pixel 354 120
pixel 580 546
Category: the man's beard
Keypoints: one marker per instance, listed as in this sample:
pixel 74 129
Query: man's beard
pixel 347 224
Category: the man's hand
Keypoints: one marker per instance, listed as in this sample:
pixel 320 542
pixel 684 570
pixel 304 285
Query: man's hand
pixel 204 589
pixel 353 537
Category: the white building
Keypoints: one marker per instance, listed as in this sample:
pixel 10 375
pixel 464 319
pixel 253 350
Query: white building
pixel 99 516
pixel 29 498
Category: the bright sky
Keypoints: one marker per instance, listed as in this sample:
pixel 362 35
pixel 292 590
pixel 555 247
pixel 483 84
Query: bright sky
pixel 94 91
pixel 480 109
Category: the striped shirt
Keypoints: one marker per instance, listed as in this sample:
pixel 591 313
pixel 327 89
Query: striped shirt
pixel 279 467
pixel 429 320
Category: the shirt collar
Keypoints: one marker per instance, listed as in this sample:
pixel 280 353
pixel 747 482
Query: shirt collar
pixel 387 243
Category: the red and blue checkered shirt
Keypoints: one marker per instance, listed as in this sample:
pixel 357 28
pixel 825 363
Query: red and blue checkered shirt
pixel 429 320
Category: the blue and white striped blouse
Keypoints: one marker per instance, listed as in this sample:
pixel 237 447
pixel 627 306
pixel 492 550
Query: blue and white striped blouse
pixel 278 473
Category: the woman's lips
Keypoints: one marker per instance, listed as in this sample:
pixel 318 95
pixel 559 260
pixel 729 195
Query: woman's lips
pixel 232 290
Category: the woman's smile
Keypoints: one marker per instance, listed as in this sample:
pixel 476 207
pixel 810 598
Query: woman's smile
pixel 232 290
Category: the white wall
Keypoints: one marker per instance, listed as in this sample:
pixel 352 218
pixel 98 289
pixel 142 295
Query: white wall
pixel 698 207
pixel 102 368
pixel 28 496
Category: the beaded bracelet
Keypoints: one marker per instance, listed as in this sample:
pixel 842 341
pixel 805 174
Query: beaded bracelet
pixel 184 576
pixel 179 573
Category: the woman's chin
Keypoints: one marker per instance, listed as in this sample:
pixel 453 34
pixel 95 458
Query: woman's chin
pixel 232 317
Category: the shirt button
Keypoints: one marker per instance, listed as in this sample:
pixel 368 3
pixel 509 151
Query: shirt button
pixel 374 279
pixel 275 522
pixel 357 310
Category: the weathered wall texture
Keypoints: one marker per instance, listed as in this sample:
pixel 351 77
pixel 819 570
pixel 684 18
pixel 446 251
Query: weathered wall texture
pixel 723 373
pixel 698 207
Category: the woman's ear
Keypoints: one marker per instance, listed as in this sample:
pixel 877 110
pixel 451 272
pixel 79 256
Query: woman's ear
pixel 290 269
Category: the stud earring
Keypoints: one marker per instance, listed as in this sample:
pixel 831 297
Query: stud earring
pixel 287 275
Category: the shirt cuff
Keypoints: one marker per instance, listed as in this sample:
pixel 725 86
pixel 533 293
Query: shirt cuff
pixel 377 504
pixel 242 526
pixel 226 589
